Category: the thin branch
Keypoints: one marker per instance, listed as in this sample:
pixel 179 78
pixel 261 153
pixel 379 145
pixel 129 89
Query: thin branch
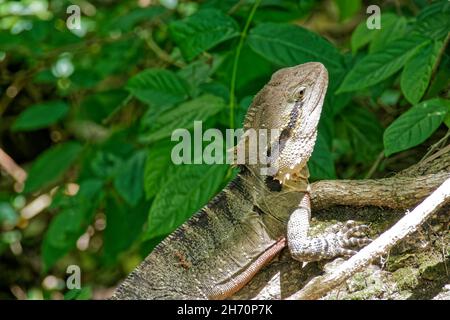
pixel 12 168
pixel 435 146
pixel 375 165
pixel 160 53
pixel 236 61
pixel 319 286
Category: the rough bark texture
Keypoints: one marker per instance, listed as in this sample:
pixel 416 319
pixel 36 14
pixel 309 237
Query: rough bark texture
pixel 410 223
pixel 415 269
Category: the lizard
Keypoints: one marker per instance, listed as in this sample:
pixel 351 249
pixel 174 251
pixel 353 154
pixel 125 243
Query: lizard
pixel 221 247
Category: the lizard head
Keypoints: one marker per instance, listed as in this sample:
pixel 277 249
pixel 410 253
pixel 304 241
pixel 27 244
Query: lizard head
pixel 291 103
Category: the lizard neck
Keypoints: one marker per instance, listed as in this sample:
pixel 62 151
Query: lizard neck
pixel 274 201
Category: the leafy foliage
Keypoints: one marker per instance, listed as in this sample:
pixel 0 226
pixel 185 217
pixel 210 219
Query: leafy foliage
pixel 40 116
pixel 415 125
pixel 89 113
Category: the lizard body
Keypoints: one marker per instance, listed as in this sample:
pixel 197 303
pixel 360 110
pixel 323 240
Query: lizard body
pixel 223 246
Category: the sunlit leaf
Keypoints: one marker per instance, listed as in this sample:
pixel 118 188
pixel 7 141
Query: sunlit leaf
pixel 183 116
pixel 158 87
pixel 289 45
pixel 417 72
pixel 415 126
pixel 202 31
pixel 380 65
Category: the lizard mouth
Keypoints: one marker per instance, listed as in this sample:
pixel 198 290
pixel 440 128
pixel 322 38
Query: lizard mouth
pixel 294 173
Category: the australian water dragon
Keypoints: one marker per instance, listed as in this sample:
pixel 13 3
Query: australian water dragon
pixel 218 250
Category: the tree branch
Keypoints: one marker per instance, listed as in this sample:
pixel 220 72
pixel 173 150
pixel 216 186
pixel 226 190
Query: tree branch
pixel 319 286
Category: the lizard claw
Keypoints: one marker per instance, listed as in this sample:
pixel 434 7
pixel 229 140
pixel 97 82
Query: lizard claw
pixel 352 235
pixel 339 240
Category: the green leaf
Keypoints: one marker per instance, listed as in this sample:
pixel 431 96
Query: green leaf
pixel 361 36
pixel 415 126
pixel 434 21
pixel 378 66
pixel 433 8
pixel 157 168
pixel 158 87
pixel 363 131
pixel 289 45
pixel 71 222
pixel 51 164
pixel 129 180
pixel 183 116
pixel 40 116
pixel 391 29
pixel 185 191
pixel 202 31
pixel 417 72
pixel 123 227
pixel 321 164
pixel 84 293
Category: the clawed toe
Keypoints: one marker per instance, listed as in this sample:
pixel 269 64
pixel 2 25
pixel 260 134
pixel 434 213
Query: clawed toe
pixel 352 235
pixel 346 252
pixel 356 242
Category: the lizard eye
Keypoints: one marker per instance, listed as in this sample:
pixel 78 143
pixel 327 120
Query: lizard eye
pixel 300 94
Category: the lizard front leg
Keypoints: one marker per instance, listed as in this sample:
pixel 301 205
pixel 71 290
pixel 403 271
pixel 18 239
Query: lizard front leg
pixel 339 242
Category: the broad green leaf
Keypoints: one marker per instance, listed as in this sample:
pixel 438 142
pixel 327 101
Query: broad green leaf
pixel 40 116
pixel 185 191
pixel 202 31
pixel 129 180
pixel 434 20
pixel 183 116
pixel 157 168
pixel 391 29
pixel 71 222
pixel 123 227
pixel 51 164
pixel 415 126
pixel 436 7
pixel 158 87
pixel 380 65
pixel 362 130
pixel 289 45
pixel 361 36
pixel 321 164
pixel 417 72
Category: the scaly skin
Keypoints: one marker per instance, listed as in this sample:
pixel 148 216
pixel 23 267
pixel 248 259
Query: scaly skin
pixel 218 250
